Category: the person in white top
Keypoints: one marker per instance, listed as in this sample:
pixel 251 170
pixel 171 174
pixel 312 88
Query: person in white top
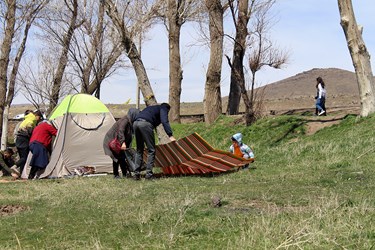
pixel 321 97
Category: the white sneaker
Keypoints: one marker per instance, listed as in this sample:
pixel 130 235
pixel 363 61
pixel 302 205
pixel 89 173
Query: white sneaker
pixel 321 112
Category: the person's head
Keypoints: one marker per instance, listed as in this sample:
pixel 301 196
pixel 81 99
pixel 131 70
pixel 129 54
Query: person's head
pixel 38 114
pixel 237 139
pixel 132 114
pixel 27 111
pixel 234 141
pixel 165 105
pixel 8 153
pixel 319 80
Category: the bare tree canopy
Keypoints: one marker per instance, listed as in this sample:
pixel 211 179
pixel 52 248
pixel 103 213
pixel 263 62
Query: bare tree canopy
pixel 253 21
pixel 96 49
pixel 18 19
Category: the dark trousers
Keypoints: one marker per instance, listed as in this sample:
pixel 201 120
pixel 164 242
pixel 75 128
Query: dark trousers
pixel 123 165
pixel 23 153
pixel 33 172
pixel 40 158
pixel 144 134
pixel 321 104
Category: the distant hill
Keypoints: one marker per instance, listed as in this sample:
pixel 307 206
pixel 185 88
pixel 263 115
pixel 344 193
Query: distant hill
pixel 296 92
pixel 338 82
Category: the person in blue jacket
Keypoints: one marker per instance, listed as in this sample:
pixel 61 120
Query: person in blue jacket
pixel 145 123
pixel 240 149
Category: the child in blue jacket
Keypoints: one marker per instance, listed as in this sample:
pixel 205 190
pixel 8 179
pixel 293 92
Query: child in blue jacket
pixel 240 149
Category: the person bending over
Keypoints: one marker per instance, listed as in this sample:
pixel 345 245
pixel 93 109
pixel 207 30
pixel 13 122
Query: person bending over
pixel 145 124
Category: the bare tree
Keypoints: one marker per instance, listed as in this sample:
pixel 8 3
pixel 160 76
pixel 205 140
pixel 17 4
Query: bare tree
pixel 132 53
pixel 29 12
pixel 252 24
pixel 360 57
pixel 58 25
pixel 174 14
pixel 96 50
pixel 176 19
pixel 6 46
pixel 37 76
pixel 262 52
pixel 212 94
pixel 24 14
pixel 243 9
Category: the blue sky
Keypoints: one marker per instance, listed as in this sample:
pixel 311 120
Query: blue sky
pixel 310 30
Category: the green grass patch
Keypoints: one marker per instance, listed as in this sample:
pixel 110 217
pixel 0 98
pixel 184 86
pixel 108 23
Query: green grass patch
pixel 303 192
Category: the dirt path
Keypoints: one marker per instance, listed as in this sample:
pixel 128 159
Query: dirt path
pixel 316 123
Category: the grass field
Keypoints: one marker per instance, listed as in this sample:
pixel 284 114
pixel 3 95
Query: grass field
pixel 302 192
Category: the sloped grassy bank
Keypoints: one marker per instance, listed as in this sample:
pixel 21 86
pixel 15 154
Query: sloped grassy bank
pixel 310 192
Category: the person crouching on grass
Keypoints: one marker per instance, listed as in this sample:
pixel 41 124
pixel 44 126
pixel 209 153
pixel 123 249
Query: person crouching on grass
pixel 240 149
pixel 7 163
pixel 40 146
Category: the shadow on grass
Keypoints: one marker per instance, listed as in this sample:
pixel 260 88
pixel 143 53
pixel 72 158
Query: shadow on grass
pixel 207 175
pixel 303 121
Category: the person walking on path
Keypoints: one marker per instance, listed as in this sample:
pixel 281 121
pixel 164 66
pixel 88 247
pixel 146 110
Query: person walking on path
pixel 123 131
pixel 320 97
pixel 145 124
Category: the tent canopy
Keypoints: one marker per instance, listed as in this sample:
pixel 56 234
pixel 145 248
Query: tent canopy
pixel 79 103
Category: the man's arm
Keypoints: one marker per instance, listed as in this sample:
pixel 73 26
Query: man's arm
pixel 164 120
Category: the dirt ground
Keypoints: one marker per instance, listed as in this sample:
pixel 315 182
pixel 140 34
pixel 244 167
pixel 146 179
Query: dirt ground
pixel 11 209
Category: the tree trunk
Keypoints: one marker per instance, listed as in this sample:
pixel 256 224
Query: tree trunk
pixel 63 60
pixel 136 61
pixel 360 57
pixel 249 104
pixel 132 53
pixel 4 136
pixel 96 43
pixel 212 95
pixel 13 76
pixel 5 53
pixel 237 74
pixel 175 71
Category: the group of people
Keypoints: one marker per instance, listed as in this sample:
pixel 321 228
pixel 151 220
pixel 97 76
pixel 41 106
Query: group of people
pixel 34 135
pixel 142 124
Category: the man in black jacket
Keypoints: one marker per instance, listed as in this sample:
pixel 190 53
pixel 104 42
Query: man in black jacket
pixel 145 123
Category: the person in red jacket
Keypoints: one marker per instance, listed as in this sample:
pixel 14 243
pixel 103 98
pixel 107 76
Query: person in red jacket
pixel 40 146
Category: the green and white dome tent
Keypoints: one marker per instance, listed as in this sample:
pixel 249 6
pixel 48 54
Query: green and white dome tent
pixel 82 121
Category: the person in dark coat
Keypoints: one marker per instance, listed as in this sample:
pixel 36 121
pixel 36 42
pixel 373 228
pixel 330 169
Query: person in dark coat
pixel 145 124
pixel 6 163
pixel 40 146
pixel 123 130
